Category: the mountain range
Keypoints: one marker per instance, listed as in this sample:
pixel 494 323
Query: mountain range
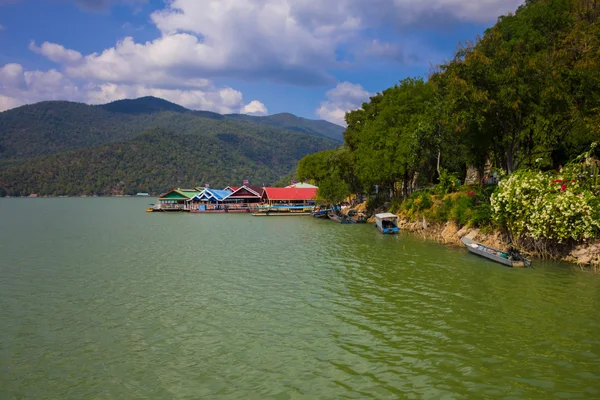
pixel 148 145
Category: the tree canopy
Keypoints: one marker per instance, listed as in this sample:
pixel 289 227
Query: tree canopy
pixel 524 94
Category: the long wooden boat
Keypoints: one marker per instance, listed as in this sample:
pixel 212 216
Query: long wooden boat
pixel 387 223
pixel 320 213
pixel 224 208
pixel 502 257
pixel 283 210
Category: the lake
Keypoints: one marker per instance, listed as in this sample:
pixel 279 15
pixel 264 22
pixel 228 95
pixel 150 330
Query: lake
pixel 101 300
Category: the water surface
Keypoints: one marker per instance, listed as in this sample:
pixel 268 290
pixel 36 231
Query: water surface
pixel 101 300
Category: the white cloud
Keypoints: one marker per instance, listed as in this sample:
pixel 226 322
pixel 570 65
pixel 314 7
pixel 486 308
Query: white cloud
pixel 56 52
pixel 289 41
pixel 338 101
pixel 11 76
pixel 6 103
pixel 255 107
pixel 20 87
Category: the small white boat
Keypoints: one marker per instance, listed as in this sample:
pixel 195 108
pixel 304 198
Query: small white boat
pixel 387 223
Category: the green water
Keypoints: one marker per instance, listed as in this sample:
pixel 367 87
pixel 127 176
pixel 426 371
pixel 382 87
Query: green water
pixel 100 300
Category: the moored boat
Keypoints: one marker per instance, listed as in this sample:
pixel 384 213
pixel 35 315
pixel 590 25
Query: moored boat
pixel 339 218
pixel 387 223
pixel 319 212
pixel 357 218
pixel 283 210
pixel 510 259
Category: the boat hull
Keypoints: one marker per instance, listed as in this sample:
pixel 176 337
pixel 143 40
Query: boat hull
pixel 388 231
pixel 492 254
pixel 272 211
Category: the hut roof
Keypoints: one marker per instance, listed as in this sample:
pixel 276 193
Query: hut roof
pixel 301 194
pixel 183 194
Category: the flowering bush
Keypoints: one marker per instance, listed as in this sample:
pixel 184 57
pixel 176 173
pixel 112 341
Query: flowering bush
pixel 542 205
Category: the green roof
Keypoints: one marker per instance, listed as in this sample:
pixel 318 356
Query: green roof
pixel 179 194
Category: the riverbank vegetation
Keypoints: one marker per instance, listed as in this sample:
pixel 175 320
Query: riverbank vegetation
pixel 518 105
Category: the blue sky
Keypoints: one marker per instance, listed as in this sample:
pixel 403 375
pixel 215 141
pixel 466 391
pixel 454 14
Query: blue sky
pixel 313 58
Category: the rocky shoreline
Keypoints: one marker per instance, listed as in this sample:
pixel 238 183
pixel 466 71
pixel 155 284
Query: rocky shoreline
pixel 584 254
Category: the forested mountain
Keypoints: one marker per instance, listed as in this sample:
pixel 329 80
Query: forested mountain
pixel 156 161
pixel 146 144
pixel 294 123
pixel 54 126
pixel 142 105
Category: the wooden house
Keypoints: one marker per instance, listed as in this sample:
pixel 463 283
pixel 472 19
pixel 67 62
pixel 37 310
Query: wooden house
pixel 212 196
pixel 176 200
pixel 246 195
pixel 303 196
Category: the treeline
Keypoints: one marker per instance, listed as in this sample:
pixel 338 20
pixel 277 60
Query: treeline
pixel 158 160
pixel 524 95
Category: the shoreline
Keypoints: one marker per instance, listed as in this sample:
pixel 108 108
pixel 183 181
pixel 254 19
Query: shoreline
pixel 584 255
pixel 449 234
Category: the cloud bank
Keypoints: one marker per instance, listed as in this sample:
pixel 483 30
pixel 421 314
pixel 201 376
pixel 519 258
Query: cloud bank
pixel 291 42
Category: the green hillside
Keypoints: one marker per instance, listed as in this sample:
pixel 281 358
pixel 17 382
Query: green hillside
pixel 156 161
pixel 55 126
pixel 298 124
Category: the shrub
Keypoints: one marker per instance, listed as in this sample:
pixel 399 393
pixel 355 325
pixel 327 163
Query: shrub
pixel 416 203
pixel 441 210
pixel 447 184
pixel 541 205
pixel 482 215
pixel 461 209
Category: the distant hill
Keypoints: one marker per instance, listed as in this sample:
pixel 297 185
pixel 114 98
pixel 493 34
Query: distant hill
pixel 55 126
pixel 156 161
pixel 143 105
pixel 148 145
pixel 298 124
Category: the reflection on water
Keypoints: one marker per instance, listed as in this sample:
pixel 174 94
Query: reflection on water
pixel 101 300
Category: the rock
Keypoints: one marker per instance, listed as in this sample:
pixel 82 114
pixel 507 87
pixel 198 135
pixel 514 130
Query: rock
pixel 580 252
pixel 449 233
pixel 584 260
pixel 424 223
pixel 464 230
pixel 473 234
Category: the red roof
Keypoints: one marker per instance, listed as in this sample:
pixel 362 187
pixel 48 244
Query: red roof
pixel 232 188
pixel 247 191
pixel 291 193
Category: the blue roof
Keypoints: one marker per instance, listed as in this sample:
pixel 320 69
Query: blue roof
pixel 216 194
pixel 220 194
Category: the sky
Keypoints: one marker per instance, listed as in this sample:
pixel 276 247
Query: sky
pixel 313 58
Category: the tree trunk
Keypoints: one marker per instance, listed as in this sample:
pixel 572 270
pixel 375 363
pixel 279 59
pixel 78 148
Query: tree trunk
pixel 510 162
pixel 438 162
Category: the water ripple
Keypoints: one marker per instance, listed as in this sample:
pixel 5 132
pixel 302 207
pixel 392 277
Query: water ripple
pixel 115 303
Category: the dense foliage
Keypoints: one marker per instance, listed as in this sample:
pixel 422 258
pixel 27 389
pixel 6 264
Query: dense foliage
pixel 297 124
pixel 547 205
pixel 156 161
pixel 526 95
